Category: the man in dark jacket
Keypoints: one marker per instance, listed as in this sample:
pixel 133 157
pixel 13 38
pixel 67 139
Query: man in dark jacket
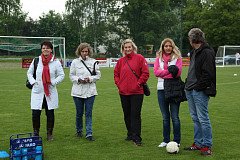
pixel 200 85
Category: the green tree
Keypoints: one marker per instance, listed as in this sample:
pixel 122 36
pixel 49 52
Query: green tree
pixel 150 21
pixel 11 17
pixel 221 22
pixel 90 19
pixel 219 19
pixel 55 25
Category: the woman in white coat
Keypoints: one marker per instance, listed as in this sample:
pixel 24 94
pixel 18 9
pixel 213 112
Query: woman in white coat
pixel 84 72
pixel 44 93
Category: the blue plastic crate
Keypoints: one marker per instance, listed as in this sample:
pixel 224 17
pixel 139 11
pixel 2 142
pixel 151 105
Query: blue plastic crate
pixel 26 147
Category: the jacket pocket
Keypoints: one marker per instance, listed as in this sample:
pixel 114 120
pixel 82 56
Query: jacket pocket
pixel 211 90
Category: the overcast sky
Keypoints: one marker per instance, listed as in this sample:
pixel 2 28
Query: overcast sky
pixel 36 8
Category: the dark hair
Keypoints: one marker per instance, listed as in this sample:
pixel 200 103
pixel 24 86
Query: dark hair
pixel 196 35
pixel 47 43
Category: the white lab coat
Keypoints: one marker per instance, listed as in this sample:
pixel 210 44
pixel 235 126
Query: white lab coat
pixel 78 70
pixel 37 94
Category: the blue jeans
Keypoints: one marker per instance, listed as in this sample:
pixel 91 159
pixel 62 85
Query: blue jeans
pixel 80 103
pixel 169 109
pixel 198 107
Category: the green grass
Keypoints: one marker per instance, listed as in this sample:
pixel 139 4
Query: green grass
pixel 108 125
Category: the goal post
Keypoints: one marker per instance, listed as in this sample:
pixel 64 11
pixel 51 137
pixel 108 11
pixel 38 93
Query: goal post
pixel 228 55
pixel 31 46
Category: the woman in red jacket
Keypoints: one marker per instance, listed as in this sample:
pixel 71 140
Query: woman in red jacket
pixel 130 88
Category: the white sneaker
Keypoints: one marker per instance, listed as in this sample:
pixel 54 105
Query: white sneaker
pixel 163 144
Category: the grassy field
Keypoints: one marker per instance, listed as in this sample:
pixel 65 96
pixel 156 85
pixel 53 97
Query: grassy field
pixel 108 126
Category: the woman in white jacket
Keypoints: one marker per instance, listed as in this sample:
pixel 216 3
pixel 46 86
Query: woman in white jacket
pixel 44 93
pixel 84 72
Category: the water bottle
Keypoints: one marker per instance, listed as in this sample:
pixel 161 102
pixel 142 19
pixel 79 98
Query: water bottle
pixel 16 152
pixel 24 153
pixel 38 153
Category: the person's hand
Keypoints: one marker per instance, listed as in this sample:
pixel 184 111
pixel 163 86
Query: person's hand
pixel 81 81
pixel 173 69
pixel 87 80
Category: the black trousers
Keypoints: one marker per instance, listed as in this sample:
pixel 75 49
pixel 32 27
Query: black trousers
pixel 132 106
pixel 37 113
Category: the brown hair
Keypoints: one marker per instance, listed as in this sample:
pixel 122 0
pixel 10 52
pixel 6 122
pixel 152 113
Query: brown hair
pixel 81 47
pixel 196 35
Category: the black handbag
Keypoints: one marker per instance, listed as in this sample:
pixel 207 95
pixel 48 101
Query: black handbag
pixel 146 89
pixel 28 84
pixel 93 73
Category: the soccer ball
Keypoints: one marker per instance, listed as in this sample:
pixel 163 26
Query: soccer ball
pixel 172 147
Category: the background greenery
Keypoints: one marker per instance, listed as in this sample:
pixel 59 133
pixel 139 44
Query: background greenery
pixel 107 22
pixel 108 126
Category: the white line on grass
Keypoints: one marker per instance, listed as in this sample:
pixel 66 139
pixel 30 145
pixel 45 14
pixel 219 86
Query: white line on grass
pixel 228 83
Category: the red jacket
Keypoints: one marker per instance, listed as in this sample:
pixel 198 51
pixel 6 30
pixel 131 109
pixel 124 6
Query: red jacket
pixel 125 80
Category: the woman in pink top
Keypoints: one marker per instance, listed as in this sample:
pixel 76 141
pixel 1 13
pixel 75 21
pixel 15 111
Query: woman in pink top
pixel 168 65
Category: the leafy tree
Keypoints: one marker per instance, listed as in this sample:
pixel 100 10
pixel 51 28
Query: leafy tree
pixel 150 21
pixel 91 19
pixel 11 17
pixel 219 19
pixel 221 22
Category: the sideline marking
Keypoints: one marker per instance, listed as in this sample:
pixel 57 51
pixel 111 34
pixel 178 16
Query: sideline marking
pixel 228 83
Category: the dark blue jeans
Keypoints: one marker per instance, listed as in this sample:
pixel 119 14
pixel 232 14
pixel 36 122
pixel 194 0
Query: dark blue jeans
pixel 80 103
pixel 169 110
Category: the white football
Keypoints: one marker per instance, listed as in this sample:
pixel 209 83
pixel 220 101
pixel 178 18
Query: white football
pixel 172 147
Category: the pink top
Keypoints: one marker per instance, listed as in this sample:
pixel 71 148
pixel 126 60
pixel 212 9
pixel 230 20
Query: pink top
pixel 163 72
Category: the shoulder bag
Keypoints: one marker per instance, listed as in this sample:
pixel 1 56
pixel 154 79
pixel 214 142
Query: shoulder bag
pixel 93 73
pixel 146 89
pixel 28 85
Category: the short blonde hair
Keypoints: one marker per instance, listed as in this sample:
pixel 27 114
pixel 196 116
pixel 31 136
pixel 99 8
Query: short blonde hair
pixel 128 41
pixel 175 52
pixel 81 47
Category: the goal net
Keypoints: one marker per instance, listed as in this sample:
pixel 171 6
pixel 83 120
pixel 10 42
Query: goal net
pixel 30 47
pixel 228 56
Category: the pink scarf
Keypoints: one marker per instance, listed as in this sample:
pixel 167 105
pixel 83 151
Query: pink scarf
pixel 166 59
pixel 46 74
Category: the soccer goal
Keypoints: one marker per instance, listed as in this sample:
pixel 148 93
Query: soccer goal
pixel 30 47
pixel 228 56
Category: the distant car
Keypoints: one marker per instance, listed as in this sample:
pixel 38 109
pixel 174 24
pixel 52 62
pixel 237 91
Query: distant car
pixel 228 60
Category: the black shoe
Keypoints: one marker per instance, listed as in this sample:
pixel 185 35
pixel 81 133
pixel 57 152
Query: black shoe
pixel 49 137
pixel 36 133
pixel 90 138
pixel 129 138
pixel 79 134
pixel 137 143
